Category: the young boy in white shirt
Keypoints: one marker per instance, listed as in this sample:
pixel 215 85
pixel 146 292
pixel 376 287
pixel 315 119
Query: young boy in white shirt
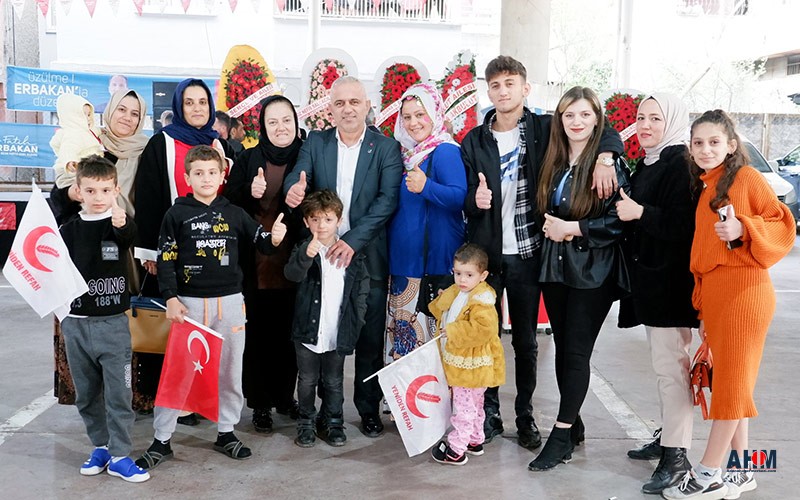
pixel 329 313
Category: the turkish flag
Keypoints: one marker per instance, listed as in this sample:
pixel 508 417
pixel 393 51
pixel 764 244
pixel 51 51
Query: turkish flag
pixel 190 376
pixel 39 266
pixel 417 393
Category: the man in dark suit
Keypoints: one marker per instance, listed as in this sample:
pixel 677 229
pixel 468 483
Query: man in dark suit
pixel 364 169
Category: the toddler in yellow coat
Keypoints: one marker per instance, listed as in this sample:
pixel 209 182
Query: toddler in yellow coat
pixel 472 354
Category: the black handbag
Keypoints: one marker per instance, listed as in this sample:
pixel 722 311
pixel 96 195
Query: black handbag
pixel 429 287
pixel 430 284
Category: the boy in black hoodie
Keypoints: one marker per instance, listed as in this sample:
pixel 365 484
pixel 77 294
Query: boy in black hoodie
pixel 199 276
pixel 96 333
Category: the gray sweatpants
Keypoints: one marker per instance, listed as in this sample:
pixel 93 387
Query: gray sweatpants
pixel 99 356
pixel 224 315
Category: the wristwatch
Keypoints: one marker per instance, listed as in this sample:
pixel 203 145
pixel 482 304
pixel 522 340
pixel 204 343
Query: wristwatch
pixel 606 160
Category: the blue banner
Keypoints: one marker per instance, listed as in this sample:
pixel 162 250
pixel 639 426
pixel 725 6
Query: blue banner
pixel 36 89
pixel 26 145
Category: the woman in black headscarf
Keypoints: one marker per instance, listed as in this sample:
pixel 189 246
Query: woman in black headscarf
pixel 159 181
pixel 270 370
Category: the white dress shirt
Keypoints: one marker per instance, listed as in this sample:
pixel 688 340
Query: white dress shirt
pixel 346 162
pixel 332 296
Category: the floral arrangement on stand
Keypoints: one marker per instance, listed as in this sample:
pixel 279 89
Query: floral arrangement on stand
pixel 396 80
pixel 460 72
pixel 324 74
pixel 621 111
pixel 241 81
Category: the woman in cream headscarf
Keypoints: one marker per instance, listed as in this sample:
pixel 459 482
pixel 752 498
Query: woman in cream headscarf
pixel 658 238
pixel 123 141
pixel 123 138
pixel 429 216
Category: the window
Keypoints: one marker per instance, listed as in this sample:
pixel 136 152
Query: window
pixel 793 65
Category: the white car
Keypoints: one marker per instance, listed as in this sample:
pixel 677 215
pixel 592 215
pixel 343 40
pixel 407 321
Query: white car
pixel 784 189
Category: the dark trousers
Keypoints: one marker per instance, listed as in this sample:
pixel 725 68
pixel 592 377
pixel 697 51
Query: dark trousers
pixel 270 366
pixel 369 351
pixel 576 317
pixel 311 367
pixel 520 279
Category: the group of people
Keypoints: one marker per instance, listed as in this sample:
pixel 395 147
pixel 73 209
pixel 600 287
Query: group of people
pixel 333 243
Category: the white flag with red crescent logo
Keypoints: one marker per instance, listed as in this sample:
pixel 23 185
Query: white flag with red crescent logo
pixel 190 375
pixel 39 266
pixel 416 390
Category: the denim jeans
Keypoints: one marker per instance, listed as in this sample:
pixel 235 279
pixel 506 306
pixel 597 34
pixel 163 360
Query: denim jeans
pixel 310 367
pixel 520 278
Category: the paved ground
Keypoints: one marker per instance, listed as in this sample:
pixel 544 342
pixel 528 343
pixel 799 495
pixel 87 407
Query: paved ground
pixel 40 456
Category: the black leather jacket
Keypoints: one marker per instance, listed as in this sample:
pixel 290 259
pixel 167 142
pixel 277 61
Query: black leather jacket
pixel 588 261
pixel 352 312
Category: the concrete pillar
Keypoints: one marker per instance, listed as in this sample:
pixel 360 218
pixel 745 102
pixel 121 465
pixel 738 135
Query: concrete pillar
pixel 314 25
pixel 525 35
pixel 622 70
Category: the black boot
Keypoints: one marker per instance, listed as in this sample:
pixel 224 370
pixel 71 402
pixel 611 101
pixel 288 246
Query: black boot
pixel 305 433
pixel 650 451
pixel 262 420
pixel 333 432
pixel 672 467
pixel 577 432
pixel 557 449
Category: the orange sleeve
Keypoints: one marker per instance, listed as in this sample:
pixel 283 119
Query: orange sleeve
pixel 770 230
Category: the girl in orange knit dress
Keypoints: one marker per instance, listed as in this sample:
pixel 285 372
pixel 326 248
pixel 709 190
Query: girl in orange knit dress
pixel 741 229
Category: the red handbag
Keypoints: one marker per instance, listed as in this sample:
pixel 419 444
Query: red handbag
pixel 700 376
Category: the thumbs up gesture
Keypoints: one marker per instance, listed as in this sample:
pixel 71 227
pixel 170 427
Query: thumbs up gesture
pixel 416 179
pixel 627 209
pixel 118 218
pixel 278 230
pixel 483 196
pixel 297 192
pixel 259 184
pixel 313 246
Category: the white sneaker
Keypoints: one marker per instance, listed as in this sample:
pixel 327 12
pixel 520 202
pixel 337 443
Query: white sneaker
pixel 698 486
pixel 738 483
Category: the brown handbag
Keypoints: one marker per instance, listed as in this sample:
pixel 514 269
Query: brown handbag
pixel 700 376
pixel 148 324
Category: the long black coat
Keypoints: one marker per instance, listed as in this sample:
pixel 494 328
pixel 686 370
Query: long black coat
pixel 658 245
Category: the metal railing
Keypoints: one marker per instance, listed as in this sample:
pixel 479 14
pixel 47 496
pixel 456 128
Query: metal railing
pixel 433 11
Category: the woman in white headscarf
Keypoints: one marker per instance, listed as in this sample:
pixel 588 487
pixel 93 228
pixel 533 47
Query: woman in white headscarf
pixel 428 226
pixel 658 242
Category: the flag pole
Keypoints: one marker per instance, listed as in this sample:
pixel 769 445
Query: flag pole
pixel 193 322
pixel 404 357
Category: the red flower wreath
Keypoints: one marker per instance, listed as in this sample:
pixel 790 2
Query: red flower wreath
pixel 245 78
pixel 621 112
pixel 461 75
pixel 396 80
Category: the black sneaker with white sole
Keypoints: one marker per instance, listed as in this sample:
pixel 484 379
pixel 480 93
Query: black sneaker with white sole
pixel 443 454
pixel 475 449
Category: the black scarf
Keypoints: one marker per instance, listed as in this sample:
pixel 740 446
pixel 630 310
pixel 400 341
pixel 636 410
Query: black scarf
pixel 265 151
